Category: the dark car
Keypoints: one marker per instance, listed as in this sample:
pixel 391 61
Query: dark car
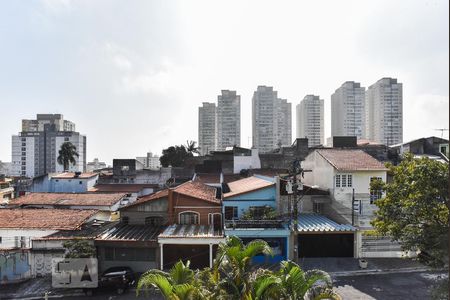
pixel 118 278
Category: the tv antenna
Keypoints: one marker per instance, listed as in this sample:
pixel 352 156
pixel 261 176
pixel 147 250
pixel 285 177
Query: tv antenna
pixel 442 131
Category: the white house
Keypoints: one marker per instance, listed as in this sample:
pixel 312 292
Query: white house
pixel 346 174
pixel 18 227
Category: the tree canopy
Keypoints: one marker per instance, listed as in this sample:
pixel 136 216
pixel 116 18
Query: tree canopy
pixel 177 155
pixel 415 209
pixel 79 248
pixel 234 277
pixel 67 154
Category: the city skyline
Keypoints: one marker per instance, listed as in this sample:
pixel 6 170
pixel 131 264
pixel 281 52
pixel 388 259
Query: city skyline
pixel 133 93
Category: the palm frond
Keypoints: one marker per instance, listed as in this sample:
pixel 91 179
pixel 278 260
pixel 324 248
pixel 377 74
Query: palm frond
pixel 158 281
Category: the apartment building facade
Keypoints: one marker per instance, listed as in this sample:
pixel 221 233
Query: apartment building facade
pixel 228 120
pixel 207 133
pixel 348 110
pixel 310 120
pixel 271 120
pixel 384 111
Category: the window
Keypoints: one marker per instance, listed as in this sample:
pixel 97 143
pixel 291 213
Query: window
pixel 154 221
pixel 375 194
pixel 66 139
pixel 231 212
pixel 187 218
pixel 125 168
pixel 349 180
pixel 318 208
pixel 343 180
pixel 0 239
pixel 80 182
pixel 257 211
pixel 338 180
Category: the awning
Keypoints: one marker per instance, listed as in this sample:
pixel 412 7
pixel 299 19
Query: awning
pixel 190 234
pixel 131 233
pixel 320 223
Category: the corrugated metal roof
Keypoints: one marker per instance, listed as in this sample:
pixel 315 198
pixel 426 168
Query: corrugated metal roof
pixel 320 223
pixel 190 231
pixel 123 232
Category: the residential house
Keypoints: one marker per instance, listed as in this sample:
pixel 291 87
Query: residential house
pixel 67 182
pixel 250 210
pixel 431 147
pixel 133 241
pixel 195 225
pixel 229 161
pixel 18 227
pixel 347 174
pixel 132 190
pixel 106 204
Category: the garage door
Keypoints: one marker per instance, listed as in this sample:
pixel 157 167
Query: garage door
pixel 325 245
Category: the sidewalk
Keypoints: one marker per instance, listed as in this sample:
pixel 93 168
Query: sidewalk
pixel 35 289
pixel 345 266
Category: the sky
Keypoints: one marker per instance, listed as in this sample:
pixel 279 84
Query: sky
pixel 132 74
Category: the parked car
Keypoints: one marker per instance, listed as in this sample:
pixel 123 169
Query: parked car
pixel 119 278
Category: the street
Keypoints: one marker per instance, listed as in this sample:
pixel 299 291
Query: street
pixel 387 286
pixel 380 286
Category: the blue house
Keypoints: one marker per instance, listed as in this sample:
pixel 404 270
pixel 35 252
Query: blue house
pixel 250 212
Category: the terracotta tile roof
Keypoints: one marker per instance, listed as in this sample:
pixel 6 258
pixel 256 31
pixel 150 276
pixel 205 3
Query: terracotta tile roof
pixel 68 199
pixel 55 219
pixel 151 197
pixel 122 188
pixel 246 185
pixel 207 178
pixel 198 190
pixel 71 175
pixel 351 160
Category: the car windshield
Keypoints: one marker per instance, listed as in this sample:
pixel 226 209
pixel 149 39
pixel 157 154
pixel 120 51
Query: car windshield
pixel 116 269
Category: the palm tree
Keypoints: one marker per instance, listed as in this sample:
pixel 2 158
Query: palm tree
pixel 297 284
pixel 67 155
pixel 233 260
pixel 177 284
pixel 190 147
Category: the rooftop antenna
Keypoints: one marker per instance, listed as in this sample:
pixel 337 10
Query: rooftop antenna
pixel 442 131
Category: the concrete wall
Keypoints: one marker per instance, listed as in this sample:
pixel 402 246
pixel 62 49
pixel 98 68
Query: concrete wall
pixel 9 236
pixel 14 266
pixel 138 213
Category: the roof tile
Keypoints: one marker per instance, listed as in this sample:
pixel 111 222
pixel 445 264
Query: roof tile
pixel 68 199
pixel 351 160
pixel 56 219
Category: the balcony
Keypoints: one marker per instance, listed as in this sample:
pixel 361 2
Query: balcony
pixel 246 224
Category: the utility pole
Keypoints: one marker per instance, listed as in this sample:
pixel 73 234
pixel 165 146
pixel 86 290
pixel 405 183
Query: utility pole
pixel 296 186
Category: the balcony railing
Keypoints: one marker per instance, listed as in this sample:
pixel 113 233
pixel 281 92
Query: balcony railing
pixel 235 224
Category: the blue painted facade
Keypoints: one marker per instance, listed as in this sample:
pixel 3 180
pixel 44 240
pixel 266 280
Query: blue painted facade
pixel 263 197
pixel 278 238
pixel 14 266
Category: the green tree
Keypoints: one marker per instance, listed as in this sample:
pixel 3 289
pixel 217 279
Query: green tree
pixel 191 148
pixel 79 248
pixel 175 156
pixel 415 209
pixel 233 261
pixel 67 154
pixel 177 284
pixel 233 277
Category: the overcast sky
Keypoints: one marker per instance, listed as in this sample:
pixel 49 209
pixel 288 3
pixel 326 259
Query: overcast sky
pixel 131 74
